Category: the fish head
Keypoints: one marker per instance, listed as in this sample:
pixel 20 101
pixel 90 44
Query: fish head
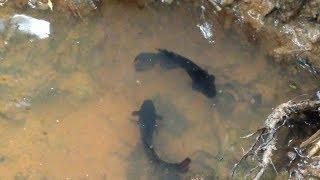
pixel 147 104
pixel 148 109
pixel 145 61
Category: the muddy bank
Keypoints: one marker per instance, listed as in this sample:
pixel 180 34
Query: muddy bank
pixel 289 30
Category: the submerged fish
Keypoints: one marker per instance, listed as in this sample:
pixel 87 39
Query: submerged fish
pixel 202 81
pixel 147 123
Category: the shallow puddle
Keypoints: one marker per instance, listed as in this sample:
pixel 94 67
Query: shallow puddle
pixel 67 100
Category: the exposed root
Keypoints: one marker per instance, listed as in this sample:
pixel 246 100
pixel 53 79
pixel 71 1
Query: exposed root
pixel 266 147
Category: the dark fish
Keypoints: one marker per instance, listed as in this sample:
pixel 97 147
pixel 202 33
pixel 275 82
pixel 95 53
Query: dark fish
pixel 147 123
pixel 202 81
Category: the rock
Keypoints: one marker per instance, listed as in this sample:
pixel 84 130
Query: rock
pixel 31 26
pixel 311 10
pixel 20 23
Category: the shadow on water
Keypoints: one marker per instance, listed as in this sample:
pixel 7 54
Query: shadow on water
pixel 175 123
pixel 81 88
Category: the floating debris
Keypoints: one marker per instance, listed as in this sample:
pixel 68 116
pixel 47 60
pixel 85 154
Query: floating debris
pixel 206 31
pixel 205 27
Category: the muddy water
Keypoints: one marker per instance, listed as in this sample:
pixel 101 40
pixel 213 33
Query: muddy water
pixel 67 100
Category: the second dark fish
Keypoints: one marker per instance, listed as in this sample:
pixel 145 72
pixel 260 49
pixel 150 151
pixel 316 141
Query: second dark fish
pixel 147 123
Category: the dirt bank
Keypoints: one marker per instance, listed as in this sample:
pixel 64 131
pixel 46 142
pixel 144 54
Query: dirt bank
pixel 289 30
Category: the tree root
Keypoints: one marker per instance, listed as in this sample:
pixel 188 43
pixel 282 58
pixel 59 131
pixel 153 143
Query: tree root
pixel 287 115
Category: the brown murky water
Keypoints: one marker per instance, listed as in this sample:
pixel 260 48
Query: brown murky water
pixel 66 101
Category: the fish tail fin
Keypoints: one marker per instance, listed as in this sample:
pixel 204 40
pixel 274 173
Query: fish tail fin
pixel 184 165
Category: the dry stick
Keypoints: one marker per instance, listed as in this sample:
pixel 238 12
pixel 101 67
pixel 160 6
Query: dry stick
pixel 258 176
pixel 311 139
pixel 251 170
pixel 314 149
pixel 248 153
pixel 266 160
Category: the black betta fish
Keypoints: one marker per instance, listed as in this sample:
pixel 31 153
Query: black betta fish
pixel 147 123
pixel 202 81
